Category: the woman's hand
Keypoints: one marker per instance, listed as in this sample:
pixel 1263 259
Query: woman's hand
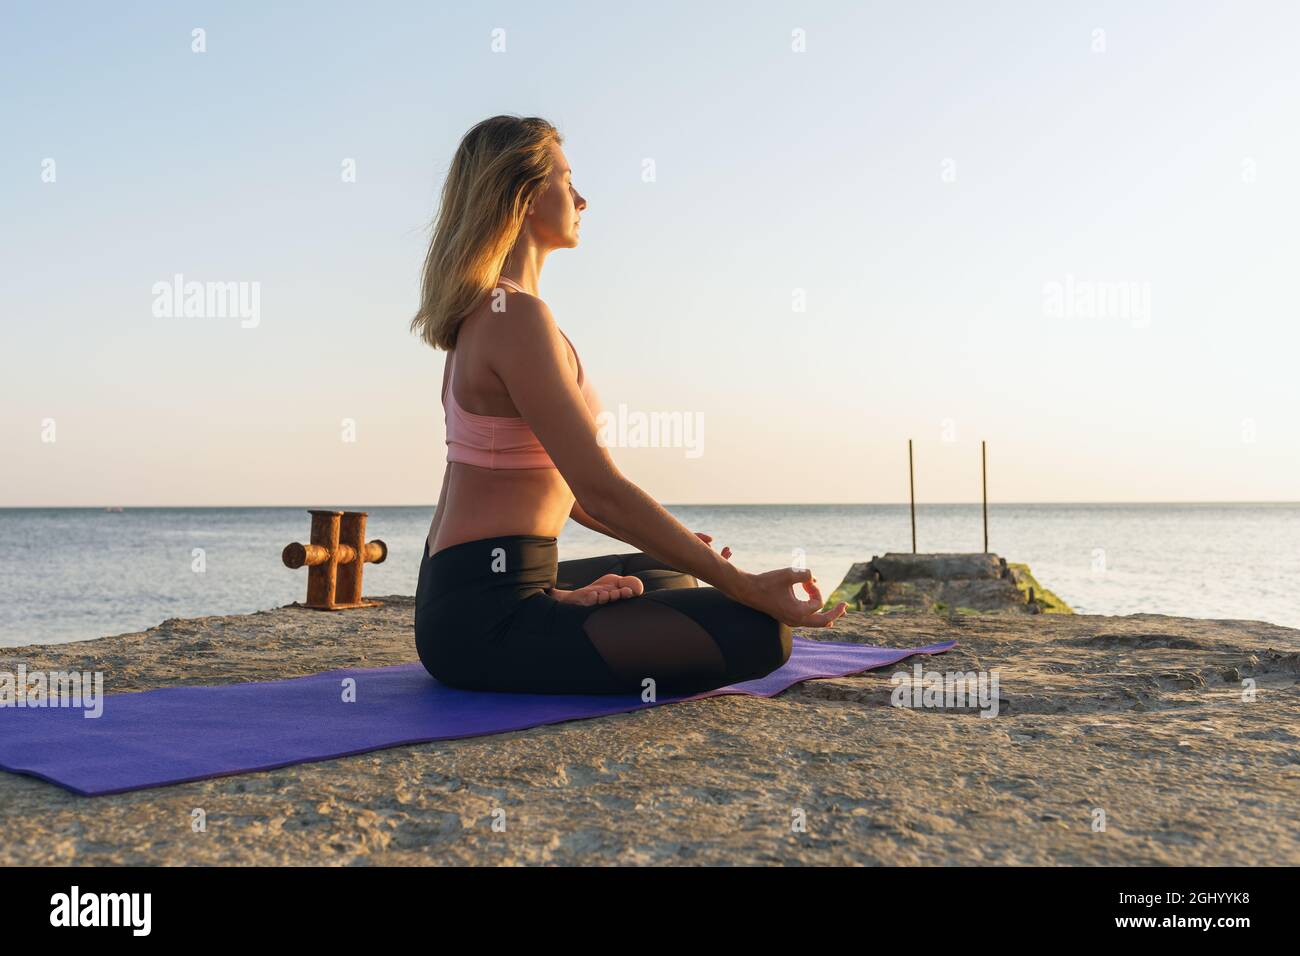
pixel 772 592
pixel 603 590
pixel 708 539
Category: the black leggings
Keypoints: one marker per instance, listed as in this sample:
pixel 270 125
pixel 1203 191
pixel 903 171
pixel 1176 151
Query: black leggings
pixel 483 621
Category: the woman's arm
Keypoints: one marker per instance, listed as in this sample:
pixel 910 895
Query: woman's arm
pixel 668 541
pixel 533 364
pixel 587 521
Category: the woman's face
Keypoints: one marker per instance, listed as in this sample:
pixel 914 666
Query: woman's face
pixel 554 217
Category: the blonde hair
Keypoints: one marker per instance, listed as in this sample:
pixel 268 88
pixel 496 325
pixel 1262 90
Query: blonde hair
pixel 500 166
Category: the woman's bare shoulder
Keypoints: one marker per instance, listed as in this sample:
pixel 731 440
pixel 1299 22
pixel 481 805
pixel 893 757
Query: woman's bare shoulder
pixel 521 317
pixel 519 333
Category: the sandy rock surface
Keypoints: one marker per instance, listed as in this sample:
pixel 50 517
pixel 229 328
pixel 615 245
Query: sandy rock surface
pixel 1142 717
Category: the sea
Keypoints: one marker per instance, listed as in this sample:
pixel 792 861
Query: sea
pixel 71 574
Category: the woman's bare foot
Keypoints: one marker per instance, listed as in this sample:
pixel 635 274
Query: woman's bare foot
pixel 603 590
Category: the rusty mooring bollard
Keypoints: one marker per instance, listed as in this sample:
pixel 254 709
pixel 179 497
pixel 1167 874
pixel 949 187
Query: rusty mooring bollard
pixel 335 558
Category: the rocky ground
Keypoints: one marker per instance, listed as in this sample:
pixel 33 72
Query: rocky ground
pixel 1147 719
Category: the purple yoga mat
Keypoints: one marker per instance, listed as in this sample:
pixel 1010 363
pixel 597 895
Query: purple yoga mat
pixel 176 734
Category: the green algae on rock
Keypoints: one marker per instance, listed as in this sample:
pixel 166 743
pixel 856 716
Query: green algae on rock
pixel 944 584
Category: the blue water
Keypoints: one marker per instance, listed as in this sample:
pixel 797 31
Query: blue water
pixel 73 574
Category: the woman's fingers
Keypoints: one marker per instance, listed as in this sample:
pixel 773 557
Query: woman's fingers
pixel 804 578
pixel 708 539
pixel 827 618
pixel 796 575
pixel 812 615
pixel 807 612
pixel 814 593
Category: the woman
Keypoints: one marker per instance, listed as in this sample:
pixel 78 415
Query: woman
pixel 495 609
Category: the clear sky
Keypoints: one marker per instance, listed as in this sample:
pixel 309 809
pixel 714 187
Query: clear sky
pixel 1069 229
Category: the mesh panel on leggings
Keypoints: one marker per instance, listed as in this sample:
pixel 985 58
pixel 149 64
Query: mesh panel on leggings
pixel 641 637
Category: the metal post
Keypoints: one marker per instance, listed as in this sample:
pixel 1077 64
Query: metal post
pixel 911 490
pixel 984 473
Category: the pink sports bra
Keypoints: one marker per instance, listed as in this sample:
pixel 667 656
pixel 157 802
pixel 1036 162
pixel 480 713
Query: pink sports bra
pixel 498 441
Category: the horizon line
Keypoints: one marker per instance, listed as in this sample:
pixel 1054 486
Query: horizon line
pixel 675 504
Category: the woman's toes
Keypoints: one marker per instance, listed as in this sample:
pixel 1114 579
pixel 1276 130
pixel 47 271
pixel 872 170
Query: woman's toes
pixel 625 584
pixel 609 587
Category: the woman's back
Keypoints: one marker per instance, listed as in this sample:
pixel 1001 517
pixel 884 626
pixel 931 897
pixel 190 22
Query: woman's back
pixel 499 480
